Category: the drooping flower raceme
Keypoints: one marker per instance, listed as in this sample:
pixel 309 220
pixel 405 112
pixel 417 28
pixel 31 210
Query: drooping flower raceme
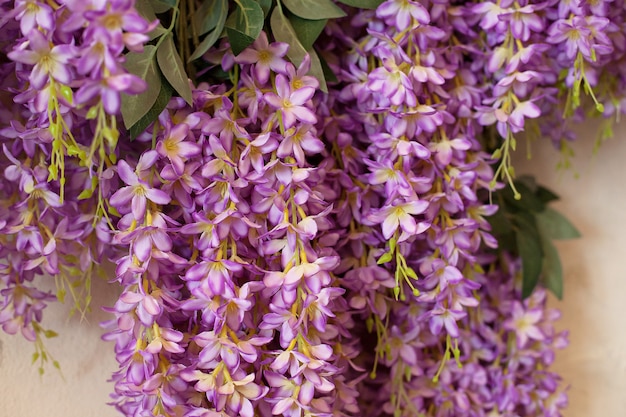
pixel 280 250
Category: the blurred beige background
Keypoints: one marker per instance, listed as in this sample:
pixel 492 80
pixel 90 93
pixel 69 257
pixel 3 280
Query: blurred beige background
pixel 594 311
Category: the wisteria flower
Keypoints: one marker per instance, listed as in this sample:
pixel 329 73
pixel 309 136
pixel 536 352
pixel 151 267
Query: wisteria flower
pixel 291 103
pixel 524 322
pixel 400 12
pixel 137 193
pixel 266 57
pixel 49 61
pixel 176 148
pixel 401 216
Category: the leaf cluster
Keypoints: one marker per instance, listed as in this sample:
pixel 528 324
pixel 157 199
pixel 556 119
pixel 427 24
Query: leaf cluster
pixel 160 65
pixel 527 227
pixel 165 62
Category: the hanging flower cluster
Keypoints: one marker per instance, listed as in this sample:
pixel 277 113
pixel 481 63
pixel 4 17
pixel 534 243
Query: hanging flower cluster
pixel 62 78
pixel 286 243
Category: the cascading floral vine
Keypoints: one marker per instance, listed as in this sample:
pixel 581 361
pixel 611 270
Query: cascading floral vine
pixel 319 221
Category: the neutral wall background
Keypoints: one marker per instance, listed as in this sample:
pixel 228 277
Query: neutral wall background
pixel 593 309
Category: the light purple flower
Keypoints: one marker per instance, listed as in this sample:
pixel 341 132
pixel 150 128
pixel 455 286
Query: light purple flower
pixel 49 61
pixel 137 193
pixel 401 216
pixel 176 148
pixel 524 322
pixel 291 103
pixel 401 12
pixel 265 57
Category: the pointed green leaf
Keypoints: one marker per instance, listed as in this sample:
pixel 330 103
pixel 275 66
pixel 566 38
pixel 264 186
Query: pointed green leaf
pixel 329 75
pixel 552 271
pixel 528 242
pixel 362 4
pixel 159 105
pixel 307 30
pixel 173 68
pixel 266 5
pixel 160 6
pixel 244 25
pixel 314 9
pixel 147 12
pixel 210 39
pixel 529 201
pixel 142 64
pixel 546 195
pixel 529 181
pixel 283 31
pixel 555 226
pixel 208 15
pixel 317 70
pixel 529 248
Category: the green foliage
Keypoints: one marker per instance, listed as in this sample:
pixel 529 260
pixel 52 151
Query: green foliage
pixel 144 65
pixel 166 59
pixel 266 5
pixel 220 10
pixel 173 68
pixel 307 31
pixel 362 4
pixel 556 226
pixel 161 6
pixel 208 15
pixel 314 9
pixel 283 31
pixel 244 25
pixel 165 94
pixel 526 227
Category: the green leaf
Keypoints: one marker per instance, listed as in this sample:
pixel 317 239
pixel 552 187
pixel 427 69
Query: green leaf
pixel 552 271
pixel 502 229
pixel 159 105
pixel 555 226
pixel 314 9
pixel 545 195
pixel 244 25
pixel 529 181
pixel 529 249
pixel 362 4
pixel 283 31
pixel 207 16
pixel 143 65
pixel 529 201
pixel 147 12
pixel 214 35
pixel 173 68
pixel 160 6
pixel 317 70
pixel 266 5
pixel 307 30
pixel 329 75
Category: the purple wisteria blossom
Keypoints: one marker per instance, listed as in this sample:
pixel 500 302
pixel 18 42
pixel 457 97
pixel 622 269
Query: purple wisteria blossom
pixel 281 250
